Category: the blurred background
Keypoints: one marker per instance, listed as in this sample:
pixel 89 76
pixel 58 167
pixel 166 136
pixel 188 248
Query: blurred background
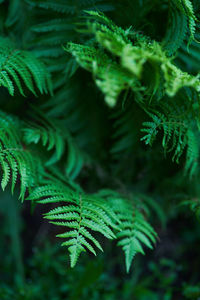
pixel 33 266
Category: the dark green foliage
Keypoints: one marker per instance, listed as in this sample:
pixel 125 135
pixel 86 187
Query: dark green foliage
pixel 20 67
pixel 15 159
pixel 99 119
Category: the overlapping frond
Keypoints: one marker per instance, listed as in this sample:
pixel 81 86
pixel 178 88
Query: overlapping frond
pixel 21 69
pixel 81 214
pixel 125 67
pixel 48 133
pixel 69 7
pixel 58 139
pixel 176 30
pixel 16 161
pixel 189 58
pixel 134 231
pixel 178 136
pixel 105 212
pixel 186 7
pixel 50 34
pixel 138 76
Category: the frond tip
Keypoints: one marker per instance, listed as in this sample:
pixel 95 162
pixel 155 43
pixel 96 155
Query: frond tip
pixel 134 231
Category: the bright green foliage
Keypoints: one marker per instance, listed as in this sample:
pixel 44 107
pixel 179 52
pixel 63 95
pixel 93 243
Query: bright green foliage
pixel 84 157
pixel 166 78
pixel 112 78
pixel 102 213
pixel 112 216
pixel 134 230
pixel 81 214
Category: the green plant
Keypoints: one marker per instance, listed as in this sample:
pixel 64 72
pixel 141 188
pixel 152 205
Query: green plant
pixel 87 159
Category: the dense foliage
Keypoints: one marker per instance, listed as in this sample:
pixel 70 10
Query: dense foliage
pixel 100 122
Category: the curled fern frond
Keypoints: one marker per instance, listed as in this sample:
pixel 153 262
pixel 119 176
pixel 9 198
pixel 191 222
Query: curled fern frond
pixel 176 31
pixel 110 78
pixel 123 64
pixel 186 8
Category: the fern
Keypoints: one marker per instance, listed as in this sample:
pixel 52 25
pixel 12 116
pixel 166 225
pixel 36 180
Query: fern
pixel 133 58
pixel 191 61
pixel 134 229
pixel 70 7
pixel 16 162
pixel 55 136
pixel 83 157
pixel 186 8
pixel 48 133
pixel 135 232
pixel 21 68
pixel 81 215
pixel 110 78
pixel 113 77
pixel 85 214
pixel 177 135
pixel 49 35
pixel 176 31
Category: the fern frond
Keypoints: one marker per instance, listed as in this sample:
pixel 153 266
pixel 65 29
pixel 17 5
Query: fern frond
pixel 178 136
pixel 176 30
pixel 194 204
pixel 192 154
pixel 59 6
pixel 189 58
pixel 82 215
pixel 17 14
pixel 20 68
pixel 16 162
pixel 48 133
pixel 49 36
pixel 110 78
pixel 70 7
pixel 53 25
pixel 124 137
pixel 123 69
pixel 54 136
pixel 186 8
pixel 135 231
